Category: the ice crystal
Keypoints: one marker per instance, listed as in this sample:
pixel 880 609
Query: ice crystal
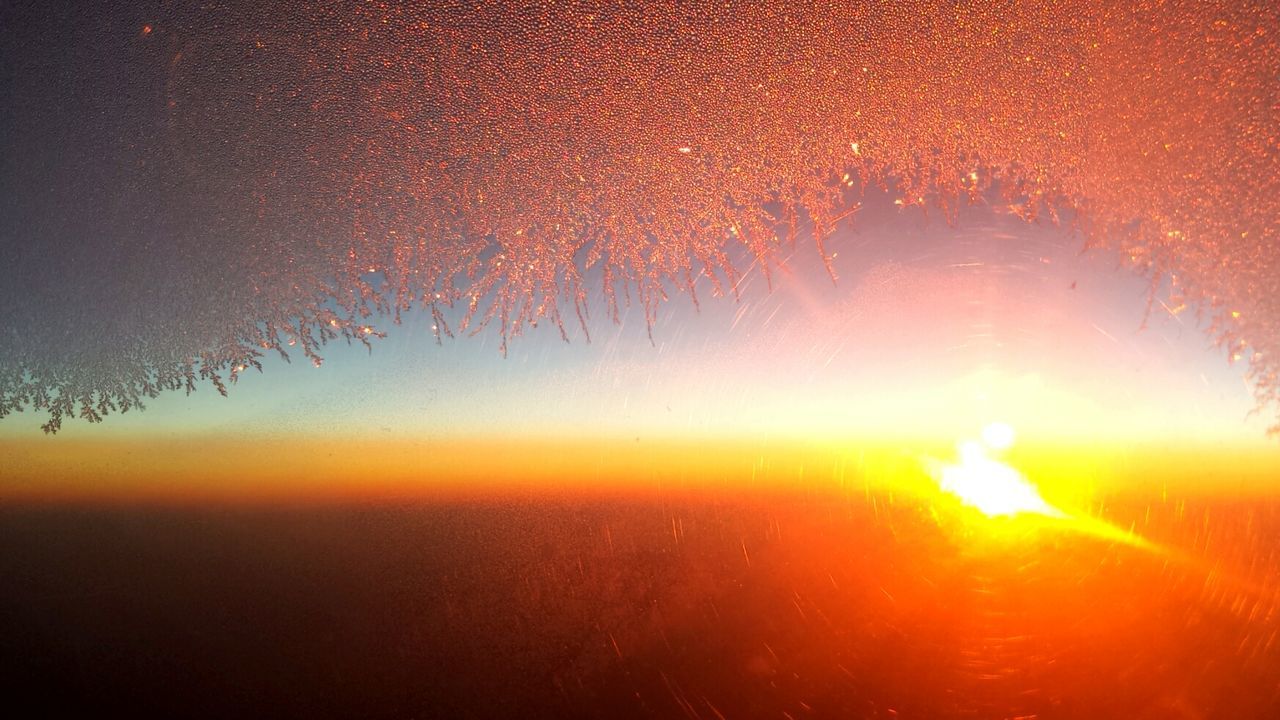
pixel 187 186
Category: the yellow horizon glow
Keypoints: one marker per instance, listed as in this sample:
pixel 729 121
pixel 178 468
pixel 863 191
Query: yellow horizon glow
pixel 308 469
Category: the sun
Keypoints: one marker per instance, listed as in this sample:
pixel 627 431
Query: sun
pixel 992 487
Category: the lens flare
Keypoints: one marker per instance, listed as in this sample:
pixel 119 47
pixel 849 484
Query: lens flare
pixel 998 436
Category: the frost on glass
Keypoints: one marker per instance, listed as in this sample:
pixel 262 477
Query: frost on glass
pixel 187 187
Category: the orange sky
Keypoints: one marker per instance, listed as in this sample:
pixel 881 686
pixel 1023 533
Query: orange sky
pixel 304 470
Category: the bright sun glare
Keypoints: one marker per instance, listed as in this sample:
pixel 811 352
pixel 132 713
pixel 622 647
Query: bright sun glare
pixel 987 484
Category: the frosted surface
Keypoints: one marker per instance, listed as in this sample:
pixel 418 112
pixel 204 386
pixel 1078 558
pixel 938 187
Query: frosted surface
pixel 185 187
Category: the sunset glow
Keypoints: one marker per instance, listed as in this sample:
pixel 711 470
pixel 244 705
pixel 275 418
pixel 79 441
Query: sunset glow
pixel 704 359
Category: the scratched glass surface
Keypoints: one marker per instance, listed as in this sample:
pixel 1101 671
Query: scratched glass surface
pixel 579 359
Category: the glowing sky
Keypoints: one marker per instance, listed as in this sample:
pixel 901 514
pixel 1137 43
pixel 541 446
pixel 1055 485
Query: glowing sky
pixel 931 330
